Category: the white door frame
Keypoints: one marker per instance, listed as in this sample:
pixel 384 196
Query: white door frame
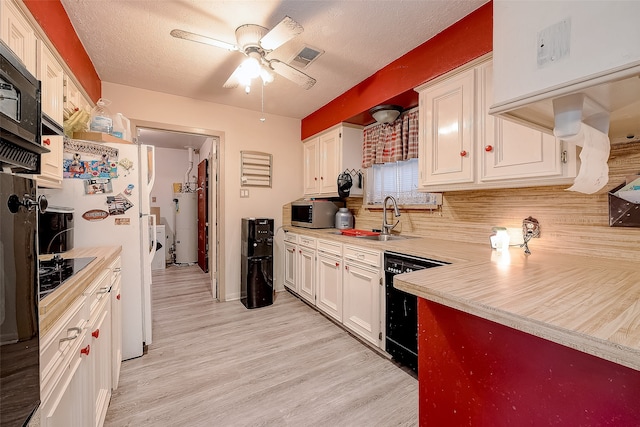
pixel 216 195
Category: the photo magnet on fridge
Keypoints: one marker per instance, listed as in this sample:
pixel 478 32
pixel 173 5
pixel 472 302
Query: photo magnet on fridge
pixel 97 186
pixel 118 205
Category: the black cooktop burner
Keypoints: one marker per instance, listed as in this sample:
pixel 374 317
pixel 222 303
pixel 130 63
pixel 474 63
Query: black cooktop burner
pixel 55 271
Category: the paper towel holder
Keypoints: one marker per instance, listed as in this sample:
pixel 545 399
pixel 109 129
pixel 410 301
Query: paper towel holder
pixel 571 111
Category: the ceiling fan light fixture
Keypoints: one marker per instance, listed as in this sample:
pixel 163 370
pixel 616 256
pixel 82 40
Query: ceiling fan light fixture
pixel 266 75
pixel 385 113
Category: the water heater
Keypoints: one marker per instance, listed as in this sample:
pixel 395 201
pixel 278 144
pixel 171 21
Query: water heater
pixel 186 220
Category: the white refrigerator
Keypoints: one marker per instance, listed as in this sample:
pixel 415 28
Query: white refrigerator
pixel 115 211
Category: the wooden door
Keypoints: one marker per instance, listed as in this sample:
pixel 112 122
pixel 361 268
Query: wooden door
pixel 203 216
pixel 361 300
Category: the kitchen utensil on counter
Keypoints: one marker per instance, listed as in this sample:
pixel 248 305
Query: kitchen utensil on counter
pixel 344 219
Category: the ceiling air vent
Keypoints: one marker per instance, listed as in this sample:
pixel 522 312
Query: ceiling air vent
pixel 305 56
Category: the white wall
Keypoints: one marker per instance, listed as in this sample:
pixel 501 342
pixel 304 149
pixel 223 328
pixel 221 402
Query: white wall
pixel 239 130
pixel 171 164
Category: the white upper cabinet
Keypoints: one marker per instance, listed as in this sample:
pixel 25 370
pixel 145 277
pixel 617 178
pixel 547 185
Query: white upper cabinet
pixel 51 74
pixel 447 111
pixel 462 147
pixel 18 34
pixel 327 155
pixel 509 150
pixel 567 47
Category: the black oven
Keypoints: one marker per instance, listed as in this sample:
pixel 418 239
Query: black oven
pixel 19 332
pixel 20 115
pixel 402 309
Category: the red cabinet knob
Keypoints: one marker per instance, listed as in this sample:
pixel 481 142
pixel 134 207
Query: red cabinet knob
pixel 118 297
pixel 488 148
pixel 47 141
pixel 315 178
pixel 337 264
pixel 463 153
pixel 95 333
pixel 85 350
pixel 322 178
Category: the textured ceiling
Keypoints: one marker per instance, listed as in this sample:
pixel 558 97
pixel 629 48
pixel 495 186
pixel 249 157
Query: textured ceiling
pixel 129 44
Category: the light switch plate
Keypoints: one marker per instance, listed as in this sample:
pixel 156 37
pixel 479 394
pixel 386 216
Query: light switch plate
pixel 554 43
pixel 244 193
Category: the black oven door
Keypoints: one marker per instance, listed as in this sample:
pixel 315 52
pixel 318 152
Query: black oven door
pixel 19 334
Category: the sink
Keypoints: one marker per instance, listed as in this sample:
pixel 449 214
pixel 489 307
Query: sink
pixel 386 238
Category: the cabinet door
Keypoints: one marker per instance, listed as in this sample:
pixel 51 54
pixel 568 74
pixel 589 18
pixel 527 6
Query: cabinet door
pixel 51 74
pixel 51 162
pixel 330 161
pixel 69 404
pixel 361 299
pixel 510 150
pixel 100 359
pixel 447 137
pixel 329 280
pixel 16 32
pixel 116 324
pixel 290 266
pixel 306 274
pixel 311 167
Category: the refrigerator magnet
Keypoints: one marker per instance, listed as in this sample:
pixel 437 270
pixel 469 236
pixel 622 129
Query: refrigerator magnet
pixel 97 186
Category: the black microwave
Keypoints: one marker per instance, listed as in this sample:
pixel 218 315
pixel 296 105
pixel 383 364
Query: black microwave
pixel 20 115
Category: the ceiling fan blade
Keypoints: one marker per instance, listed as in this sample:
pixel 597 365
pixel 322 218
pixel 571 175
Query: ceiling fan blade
pixel 233 81
pixel 296 76
pixel 281 33
pixel 186 35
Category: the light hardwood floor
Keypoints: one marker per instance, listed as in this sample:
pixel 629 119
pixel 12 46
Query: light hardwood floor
pixel 219 364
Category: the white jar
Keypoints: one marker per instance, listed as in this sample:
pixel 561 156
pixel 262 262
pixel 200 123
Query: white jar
pixel 344 219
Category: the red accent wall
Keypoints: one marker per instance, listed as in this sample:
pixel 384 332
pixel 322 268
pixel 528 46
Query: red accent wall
pixel 54 21
pixel 469 38
pixel 475 372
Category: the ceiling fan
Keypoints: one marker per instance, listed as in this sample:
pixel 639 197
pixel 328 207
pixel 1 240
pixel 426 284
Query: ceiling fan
pixel 256 43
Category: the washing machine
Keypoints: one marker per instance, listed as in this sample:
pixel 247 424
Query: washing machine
pixel 160 258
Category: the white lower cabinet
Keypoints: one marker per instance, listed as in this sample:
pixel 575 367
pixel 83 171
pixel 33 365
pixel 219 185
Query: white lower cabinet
pixel 116 322
pixel 342 281
pixel 362 290
pixel 100 355
pixel 78 356
pixel 290 264
pixel 306 264
pixel 65 372
pixel 329 279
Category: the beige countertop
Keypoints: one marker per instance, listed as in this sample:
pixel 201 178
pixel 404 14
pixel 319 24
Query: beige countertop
pixel 52 306
pixel 589 304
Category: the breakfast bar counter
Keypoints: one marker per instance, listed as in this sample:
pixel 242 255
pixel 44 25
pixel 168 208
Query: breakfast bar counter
pixel 506 338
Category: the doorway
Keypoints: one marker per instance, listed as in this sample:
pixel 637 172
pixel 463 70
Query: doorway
pixel 207 146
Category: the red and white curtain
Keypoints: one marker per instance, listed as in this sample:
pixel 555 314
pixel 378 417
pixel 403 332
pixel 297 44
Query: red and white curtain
pixel 391 142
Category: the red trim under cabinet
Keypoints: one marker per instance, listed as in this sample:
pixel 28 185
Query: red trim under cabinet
pixel 54 21
pixel 467 39
pixel 475 372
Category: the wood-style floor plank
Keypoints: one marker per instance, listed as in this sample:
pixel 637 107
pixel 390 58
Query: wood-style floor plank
pixel 219 364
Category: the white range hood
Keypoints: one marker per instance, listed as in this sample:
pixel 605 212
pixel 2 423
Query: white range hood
pixel 544 54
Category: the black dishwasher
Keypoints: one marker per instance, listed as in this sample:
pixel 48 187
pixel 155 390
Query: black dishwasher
pixel 402 309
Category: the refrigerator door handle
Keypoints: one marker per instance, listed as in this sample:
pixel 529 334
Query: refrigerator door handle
pixel 151 159
pixel 154 241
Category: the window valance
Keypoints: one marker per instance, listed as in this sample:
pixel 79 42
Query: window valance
pixel 391 142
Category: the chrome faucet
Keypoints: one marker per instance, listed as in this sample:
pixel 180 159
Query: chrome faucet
pixel 386 227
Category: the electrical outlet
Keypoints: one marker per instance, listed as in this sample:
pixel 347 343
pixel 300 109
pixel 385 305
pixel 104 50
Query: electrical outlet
pixel 530 228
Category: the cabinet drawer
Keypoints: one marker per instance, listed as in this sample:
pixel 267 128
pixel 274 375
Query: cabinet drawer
pixel 290 237
pixel 309 242
pixel 61 343
pixel 115 268
pixel 363 255
pixel 98 290
pixel 330 247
